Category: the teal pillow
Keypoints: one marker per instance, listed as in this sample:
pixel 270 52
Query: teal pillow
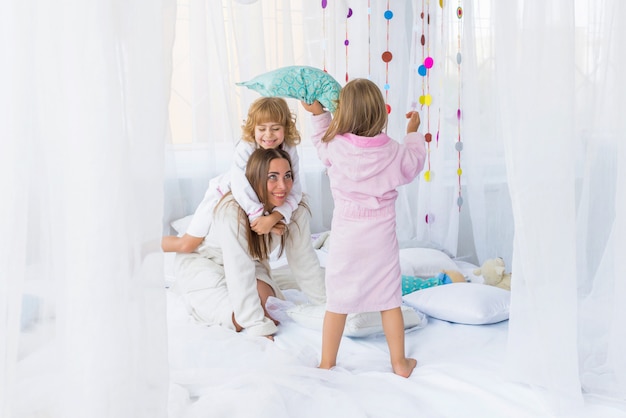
pixel 411 284
pixel 298 82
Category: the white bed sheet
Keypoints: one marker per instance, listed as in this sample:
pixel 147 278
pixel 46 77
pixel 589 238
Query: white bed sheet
pixel 215 372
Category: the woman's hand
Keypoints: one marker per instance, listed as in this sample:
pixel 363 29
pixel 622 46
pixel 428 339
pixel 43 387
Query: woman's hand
pixel 316 107
pixel 266 224
pixel 414 121
pixel 279 228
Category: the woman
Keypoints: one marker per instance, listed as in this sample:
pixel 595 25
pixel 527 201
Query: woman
pixel 225 277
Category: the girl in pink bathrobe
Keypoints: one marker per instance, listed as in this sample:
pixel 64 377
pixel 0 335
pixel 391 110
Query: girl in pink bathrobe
pixel 365 166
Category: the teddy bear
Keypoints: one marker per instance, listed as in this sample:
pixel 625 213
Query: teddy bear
pixel 494 273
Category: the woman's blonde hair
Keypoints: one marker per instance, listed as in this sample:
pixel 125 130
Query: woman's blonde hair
pixel 361 110
pixel 257 168
pixel 271 109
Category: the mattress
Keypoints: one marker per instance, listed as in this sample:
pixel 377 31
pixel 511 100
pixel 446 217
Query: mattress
pixel 461 372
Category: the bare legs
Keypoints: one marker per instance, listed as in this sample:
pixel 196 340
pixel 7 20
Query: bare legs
pixel 265 291
pixel 393 325
pixel 331 337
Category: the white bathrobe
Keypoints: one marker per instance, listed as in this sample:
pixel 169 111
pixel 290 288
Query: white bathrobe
pixel 219 279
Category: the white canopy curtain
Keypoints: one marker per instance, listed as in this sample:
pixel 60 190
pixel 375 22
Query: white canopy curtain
pixel 559 92
pixel 543 101
pixel 83 121
pixel 558 88
pixel 221 43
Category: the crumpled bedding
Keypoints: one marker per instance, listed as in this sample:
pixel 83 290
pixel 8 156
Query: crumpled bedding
pixel 219 373
pixel 461 372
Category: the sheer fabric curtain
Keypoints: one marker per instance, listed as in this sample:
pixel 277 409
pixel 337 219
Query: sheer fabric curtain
pixel 487 225
pixel 204 112
pixel 373 29
pixel 559 93
pixel 601 214
pixel 83 122
pixel 219 43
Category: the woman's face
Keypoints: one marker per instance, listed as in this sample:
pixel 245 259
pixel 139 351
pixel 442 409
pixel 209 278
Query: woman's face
pixel 269 135
pixel 279 181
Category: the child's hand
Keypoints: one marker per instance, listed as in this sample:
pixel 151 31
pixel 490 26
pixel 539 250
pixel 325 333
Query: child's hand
pixel 316 107
pixel 264 224
pixel 414 121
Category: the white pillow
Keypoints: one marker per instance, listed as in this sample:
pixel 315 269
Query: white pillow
pixel 357 325
pixel 180 225
pixel 463 303
pixel 424 262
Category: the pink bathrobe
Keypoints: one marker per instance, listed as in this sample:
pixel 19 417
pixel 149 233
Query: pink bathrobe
pixel 363 266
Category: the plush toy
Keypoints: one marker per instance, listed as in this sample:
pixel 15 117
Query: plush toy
pixel 494 274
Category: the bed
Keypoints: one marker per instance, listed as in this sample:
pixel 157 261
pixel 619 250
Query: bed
pixel 215 372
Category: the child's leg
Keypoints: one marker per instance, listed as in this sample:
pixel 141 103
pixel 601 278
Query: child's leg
pixel 393 325
pixel 334 324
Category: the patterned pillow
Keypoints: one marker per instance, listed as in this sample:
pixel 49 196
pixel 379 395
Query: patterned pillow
pixel 412 284
pixel 298 82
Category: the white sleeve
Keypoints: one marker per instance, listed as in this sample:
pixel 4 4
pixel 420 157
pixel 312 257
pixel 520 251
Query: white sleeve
pixel 203 216
pixel 293 199
pixel 240 186
pixel 240 271
pixel 302 259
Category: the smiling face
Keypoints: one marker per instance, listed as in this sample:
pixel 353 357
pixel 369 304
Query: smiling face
pixel 269 135
pixel 279 181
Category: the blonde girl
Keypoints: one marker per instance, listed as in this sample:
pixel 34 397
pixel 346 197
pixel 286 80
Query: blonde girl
pixel 365 166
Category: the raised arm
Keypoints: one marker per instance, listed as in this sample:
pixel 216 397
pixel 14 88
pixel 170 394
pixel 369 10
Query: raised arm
pixel 320 121
pixel 413 156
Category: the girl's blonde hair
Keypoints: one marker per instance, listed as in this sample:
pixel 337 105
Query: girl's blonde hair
pixel 271 109
pixel 361 110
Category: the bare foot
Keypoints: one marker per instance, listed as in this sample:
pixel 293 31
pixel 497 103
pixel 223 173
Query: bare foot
pixel 270 337
pixel 405 367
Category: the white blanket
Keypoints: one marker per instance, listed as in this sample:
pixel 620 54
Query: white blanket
pixel 219 373
pixel 215 372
